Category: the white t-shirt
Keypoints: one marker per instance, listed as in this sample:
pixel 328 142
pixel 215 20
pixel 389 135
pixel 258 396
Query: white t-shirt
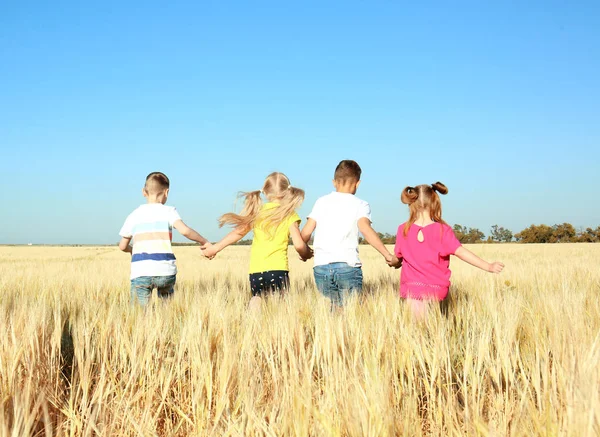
pixel 151 227
pixel 336 233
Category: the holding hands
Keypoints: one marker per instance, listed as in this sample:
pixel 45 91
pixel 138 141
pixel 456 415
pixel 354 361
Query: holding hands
pixel 393 261
pixel 307 254
pixel 209 250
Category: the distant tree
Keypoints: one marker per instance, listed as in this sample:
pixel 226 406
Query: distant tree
pixel 500 234
pixel 244 242
pixel 589 235
pixel 536 234
pixel 468 235
pixel 563 233
pixel 475 236
pixel 560 233
pixel 460 231
pixel 387 238
pixel 384 237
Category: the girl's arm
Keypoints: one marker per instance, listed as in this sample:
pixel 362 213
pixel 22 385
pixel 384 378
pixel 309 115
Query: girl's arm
pixel 308 229
pixel 211 250
pixel 300 245
pixel 469 257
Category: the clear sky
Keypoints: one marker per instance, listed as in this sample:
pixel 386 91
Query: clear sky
pixel 499 100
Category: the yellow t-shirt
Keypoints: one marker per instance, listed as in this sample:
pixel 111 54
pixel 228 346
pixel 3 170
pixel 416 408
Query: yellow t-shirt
pixel 270 250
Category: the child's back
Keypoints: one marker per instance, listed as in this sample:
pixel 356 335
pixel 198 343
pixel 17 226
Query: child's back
pixel 151 228
pixel 426 254
pixel 425 243
pixel 273 224
pixel 336 220
pixel 336 236
pixel 270 245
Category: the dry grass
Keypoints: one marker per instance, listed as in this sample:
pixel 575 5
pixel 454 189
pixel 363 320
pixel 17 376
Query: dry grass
pixel 517 354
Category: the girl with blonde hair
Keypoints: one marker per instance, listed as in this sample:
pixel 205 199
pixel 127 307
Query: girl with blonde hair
pixel 272 223
pixel 425 243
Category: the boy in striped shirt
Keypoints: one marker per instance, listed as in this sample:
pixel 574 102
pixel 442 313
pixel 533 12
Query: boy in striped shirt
pixel 151 228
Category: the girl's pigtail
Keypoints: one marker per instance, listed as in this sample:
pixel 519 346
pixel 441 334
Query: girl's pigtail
pixel 439 187
pixel 250 211
pixel 291 200
pixel 296 197
pixel 435 205
pixel 409 195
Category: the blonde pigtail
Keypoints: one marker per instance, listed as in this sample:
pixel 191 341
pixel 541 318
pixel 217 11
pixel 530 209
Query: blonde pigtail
pixel 250 212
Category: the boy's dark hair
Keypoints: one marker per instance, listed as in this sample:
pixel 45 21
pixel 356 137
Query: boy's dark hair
pixel 156 182
pixel 347 170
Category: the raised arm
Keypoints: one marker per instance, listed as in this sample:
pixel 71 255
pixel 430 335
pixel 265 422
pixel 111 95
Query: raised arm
pixel 300 245
pixel 188 232
pixel 467 256
pixel 364 226
pixel 211 250
pixel 308 229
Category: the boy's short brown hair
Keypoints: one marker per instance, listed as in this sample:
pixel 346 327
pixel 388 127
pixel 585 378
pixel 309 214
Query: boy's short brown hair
pixel 156 182
pixel 347 170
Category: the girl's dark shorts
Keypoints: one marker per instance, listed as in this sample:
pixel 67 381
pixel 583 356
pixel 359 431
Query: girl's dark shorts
pixel 269 282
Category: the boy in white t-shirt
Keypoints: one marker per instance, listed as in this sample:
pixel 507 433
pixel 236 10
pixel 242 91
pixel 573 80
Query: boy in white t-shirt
pixel 336 220
pixel 151 228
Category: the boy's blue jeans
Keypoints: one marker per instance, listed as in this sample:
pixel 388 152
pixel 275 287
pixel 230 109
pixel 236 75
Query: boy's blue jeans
pixel 338 281
pixel 141 288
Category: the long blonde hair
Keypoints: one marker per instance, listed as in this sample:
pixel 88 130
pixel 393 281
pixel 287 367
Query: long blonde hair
pixel 423 197
pixel 277 188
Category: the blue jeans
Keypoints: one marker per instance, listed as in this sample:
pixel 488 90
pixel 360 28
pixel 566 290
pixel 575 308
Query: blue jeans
pixel 141 288
pixel 337 281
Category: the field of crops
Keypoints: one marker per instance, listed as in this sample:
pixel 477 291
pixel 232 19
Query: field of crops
pixel 510 354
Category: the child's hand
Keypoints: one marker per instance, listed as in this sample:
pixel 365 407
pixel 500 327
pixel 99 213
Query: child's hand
pixel 208 250
pixel 308 256
pixel 393 261
pixel 495 267
pixel 397 264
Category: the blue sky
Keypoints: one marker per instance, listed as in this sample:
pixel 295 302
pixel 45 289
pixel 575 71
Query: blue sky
pixel 498 100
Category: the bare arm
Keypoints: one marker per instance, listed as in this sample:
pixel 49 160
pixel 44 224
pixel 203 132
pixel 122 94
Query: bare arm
pixel 308 229
pixel 211 250
pixel 469 257
pixel 300 245
pixel 364 226
pixel 124 244
pixel 189 233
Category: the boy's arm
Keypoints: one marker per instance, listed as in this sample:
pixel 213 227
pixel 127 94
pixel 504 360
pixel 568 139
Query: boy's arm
pixel 211 250
pixel 300 245
pixel 469 257
pixel 124 244
pixel 364 226
pixel 308 229
pixel 188 232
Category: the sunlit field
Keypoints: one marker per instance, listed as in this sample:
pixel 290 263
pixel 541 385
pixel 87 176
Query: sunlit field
pixel 512 354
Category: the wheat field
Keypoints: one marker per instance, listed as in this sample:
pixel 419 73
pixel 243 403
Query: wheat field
pixel 514 354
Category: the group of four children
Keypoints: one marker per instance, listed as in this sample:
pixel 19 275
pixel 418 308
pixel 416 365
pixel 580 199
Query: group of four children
pixel 423 244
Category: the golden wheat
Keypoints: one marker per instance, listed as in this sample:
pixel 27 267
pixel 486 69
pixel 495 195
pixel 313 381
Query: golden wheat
pixel 512 354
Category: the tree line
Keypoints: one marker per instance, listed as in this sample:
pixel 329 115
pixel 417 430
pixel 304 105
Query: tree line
pixel 560 233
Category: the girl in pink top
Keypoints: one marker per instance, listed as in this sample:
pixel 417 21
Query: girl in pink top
pixel 425 243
